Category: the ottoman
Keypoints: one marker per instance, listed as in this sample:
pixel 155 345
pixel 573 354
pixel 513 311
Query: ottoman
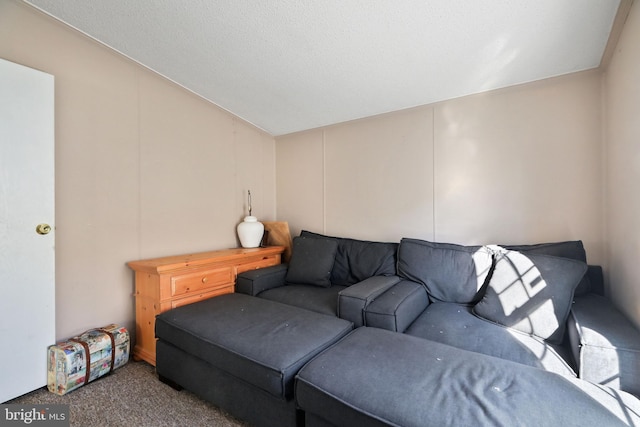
pixel 374 377
pixel 242 353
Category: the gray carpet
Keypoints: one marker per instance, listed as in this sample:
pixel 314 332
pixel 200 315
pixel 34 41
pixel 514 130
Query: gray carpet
pixel 133 396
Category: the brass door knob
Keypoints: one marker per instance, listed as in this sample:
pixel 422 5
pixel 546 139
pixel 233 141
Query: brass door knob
pixel 43 229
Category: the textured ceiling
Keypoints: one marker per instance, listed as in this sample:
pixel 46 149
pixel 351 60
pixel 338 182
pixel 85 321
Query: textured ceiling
pixel 291 65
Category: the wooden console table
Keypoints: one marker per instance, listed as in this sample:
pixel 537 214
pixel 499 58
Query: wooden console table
pixel 169 282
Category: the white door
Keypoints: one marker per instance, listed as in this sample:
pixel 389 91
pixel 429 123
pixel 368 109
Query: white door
pixel 27 280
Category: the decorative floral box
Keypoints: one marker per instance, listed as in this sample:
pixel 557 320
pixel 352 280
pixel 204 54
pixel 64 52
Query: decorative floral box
pixel 84 358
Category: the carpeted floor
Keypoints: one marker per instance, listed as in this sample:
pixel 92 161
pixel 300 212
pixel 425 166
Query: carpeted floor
pixel 133 396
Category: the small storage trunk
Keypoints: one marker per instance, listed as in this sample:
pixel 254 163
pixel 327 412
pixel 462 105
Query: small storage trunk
pixel 84 358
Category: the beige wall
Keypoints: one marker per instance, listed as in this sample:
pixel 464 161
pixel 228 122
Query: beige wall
pixel 622 138
pixel 143 167
pixel 344 180
pixel 519 165
pixel 522 165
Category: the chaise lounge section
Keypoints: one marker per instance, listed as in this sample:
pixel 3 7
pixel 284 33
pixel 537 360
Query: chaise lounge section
pixel 242 353
pixel 391 379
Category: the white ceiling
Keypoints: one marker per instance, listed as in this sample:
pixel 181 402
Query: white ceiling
pixel 291 65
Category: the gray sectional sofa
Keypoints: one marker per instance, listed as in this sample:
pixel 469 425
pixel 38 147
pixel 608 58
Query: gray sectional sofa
pixel 411 333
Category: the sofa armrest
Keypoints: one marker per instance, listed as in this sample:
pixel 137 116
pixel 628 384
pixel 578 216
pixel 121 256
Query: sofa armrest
pixel 353 300
pixel 255 281
pixel 605 344
pixel 397 308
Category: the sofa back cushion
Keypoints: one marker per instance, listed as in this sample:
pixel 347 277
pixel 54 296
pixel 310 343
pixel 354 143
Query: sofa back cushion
pixel 311 262
pixel 573 249
pixel 357 260
pixel 531 293
pixel 450 272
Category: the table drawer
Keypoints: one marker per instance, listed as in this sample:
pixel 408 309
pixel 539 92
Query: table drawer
pixel 194 282
pixel 201 296
pixel 254 265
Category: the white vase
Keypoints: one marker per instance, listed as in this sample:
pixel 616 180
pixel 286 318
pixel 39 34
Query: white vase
pixel 250 232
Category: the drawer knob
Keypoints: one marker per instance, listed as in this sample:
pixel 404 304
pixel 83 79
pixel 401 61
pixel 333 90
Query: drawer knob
pixel 204 279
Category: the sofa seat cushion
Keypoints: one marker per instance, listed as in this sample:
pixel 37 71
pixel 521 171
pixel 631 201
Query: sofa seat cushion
pixel 377 377
pixel 455 325
pixel 314 298
pixel 261 342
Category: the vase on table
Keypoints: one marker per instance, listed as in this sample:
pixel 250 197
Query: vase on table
pixel 250 230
